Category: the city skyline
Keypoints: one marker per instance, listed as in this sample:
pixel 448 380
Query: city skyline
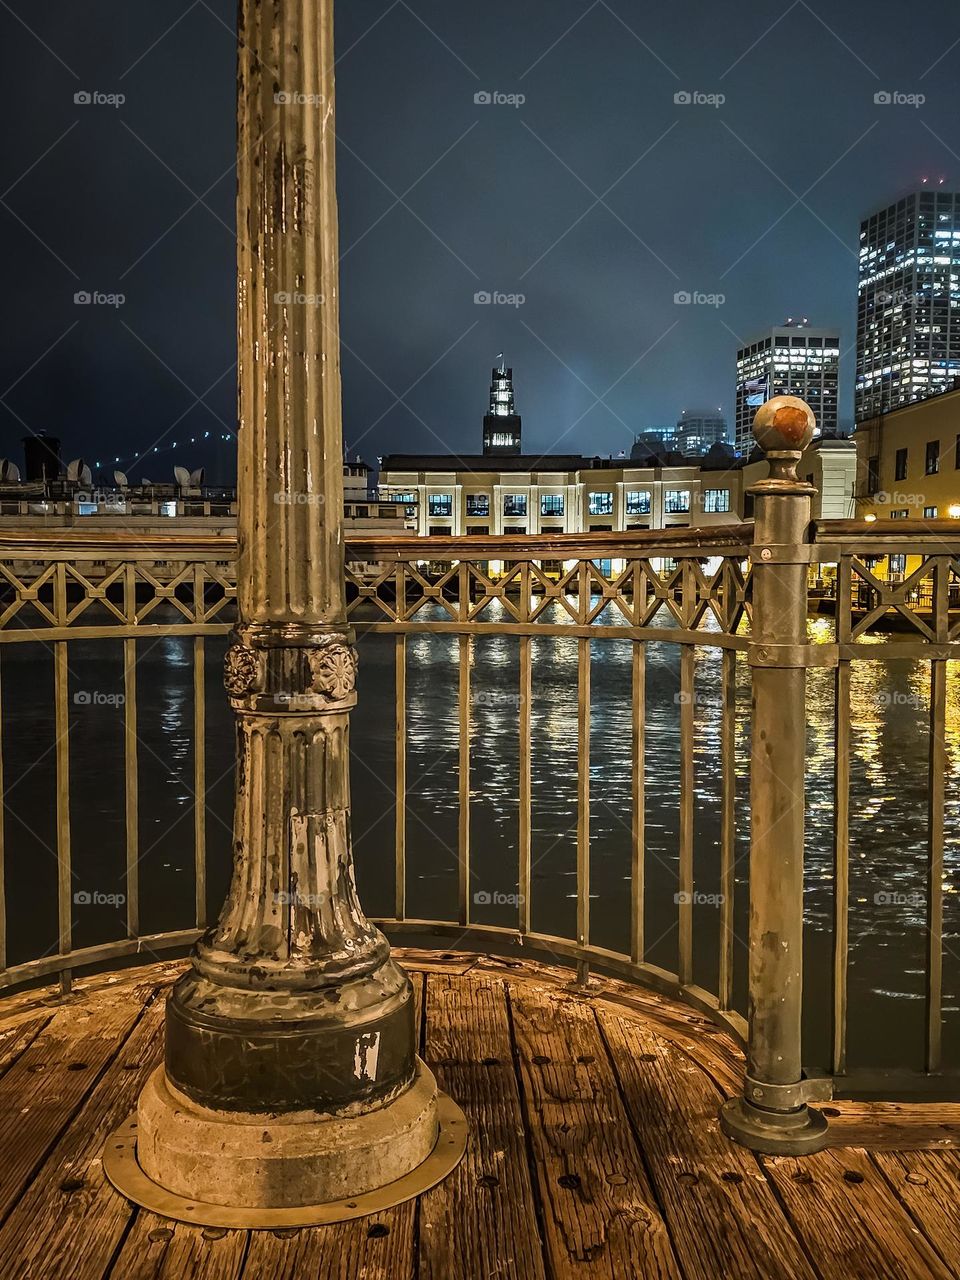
pixel 661 191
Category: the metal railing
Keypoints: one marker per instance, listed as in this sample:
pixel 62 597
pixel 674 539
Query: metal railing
pixel 687 588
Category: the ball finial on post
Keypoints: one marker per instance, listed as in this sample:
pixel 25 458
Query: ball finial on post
pixel 783 428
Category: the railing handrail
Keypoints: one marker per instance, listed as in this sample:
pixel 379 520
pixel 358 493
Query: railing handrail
pixel 127 544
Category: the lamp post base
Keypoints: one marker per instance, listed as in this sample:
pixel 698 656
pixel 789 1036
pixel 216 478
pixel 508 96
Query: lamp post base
pixel 774 1133
pixel 228 1168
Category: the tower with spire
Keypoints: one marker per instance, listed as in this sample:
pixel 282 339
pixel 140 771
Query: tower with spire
pixel 501 425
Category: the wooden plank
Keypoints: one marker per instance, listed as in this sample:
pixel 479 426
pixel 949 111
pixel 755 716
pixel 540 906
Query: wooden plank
pixel 685 881
pixel 482 1221
pixel 16 1039
pixel 377 1248
pixel 928 1183
pixel 157 1249
pixel 200 776
pixel 131 783
pixel 724 1217
pixel 851 1224
pixel 841 865
pixel 400 779
pixel 69 1197
pixel 583 791
pixel 599 1212
pixel 43 1090
pixel 935 842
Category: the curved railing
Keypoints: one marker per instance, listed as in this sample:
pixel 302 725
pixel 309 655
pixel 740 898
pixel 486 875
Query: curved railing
pixel 691 589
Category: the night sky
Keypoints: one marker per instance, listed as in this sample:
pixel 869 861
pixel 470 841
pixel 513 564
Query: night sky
pixel 597 199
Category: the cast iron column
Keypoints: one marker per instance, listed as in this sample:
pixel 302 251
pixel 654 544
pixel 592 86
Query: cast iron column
pixel 773 1115
pixel 293 1001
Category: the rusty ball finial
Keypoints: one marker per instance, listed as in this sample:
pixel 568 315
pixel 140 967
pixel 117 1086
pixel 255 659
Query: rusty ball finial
pixel 784 424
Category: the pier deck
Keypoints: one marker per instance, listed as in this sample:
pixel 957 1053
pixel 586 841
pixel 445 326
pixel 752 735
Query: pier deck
pixel 594 1150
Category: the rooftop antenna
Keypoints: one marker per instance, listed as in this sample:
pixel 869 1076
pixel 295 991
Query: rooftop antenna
pixel 503 367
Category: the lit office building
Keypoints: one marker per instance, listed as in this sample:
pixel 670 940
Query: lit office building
pixel 908 321
pixel 501 424
pixel 793 359
pixel 697 433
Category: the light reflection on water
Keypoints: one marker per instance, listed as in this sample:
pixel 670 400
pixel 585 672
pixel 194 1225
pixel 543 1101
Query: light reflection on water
pixel 888 823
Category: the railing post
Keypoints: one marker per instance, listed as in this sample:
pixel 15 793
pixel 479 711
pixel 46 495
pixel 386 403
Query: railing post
pixel 773 1116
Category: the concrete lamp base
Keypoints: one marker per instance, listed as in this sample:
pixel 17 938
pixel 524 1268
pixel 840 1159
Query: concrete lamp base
pixel 230 1169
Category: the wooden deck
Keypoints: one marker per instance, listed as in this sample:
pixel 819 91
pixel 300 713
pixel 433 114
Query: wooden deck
pixel 594 1151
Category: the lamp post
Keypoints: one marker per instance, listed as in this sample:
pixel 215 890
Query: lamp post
pixel 291 1077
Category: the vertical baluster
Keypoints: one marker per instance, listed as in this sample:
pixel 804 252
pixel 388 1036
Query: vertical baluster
pixel 200 778
pixel 937 780
pixel 3 856
pixel 638 700
pixel 463 832
pixel 131 782
pixel 685 887
pixel 400 782
pixel 61 678
pixel 728 826
pixel 583 794
pixel 841 862
pixel 526 693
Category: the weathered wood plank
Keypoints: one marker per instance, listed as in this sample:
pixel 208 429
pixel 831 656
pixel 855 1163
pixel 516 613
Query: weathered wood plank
pixel 894 1126
pixel 928 1183
pixel 723 1216
pixel 69 1198
pixel 600 1215
pixel 45 1087
pixel 482 1221
pixel 157 1249
pixel 852 1225
pixel 16 1039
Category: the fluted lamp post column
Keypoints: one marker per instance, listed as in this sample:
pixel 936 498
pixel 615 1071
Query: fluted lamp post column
pixel 291 1079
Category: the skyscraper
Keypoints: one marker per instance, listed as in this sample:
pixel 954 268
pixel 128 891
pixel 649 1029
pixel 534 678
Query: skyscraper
pixel 698 432
pixel 501 425
pixel 791 360
pixel 908 321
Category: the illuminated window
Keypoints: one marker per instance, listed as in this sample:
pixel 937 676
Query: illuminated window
pixel 440 504
pixel 929 513
pixel 551 504
pixel 933 457
pixel 716 500
pixel 638 503
pixel 601 504
pixel 478 504
pixel 514 504
pixel 900 514
pixel 676 501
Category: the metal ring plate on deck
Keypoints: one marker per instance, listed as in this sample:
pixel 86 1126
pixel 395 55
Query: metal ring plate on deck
pixel 121 1166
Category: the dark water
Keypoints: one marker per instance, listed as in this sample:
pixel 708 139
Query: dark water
pixel 888 807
